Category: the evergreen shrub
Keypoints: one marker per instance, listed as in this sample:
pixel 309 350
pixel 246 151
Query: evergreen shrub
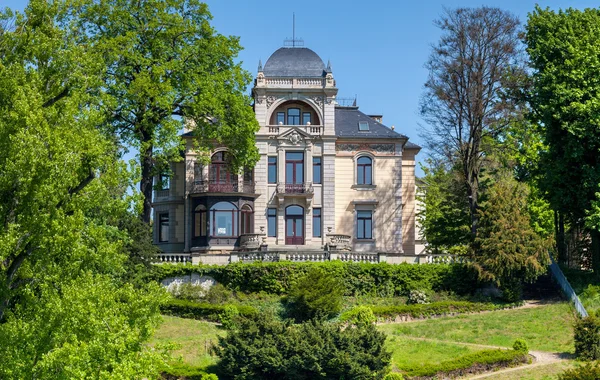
pixel 203 311
pixel 587 338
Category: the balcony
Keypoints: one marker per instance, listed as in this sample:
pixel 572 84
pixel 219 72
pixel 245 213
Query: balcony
pixel 295 188
pixel 313 130
pixel 199 187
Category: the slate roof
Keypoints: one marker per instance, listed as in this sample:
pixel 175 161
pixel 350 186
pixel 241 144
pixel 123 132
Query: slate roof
pixel 297 62
pixel 346 125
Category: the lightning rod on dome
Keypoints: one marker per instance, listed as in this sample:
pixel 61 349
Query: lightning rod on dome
pixel 293 42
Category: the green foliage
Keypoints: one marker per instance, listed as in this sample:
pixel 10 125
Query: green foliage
pixel 316 295
pixel 587 338
pixel 205 311
pixel 587 371
pixel 166 66
pixel 229 317
pixel 393 376
pixel 263 347
pixel 357 278
pixel 564 53
pixel 359 316
pixel 444 219
pixel 521 346
pixel 65 309
pixel 483 360
pixel 436 309
pixel 417 297
pixel 507 250
pixel 181 370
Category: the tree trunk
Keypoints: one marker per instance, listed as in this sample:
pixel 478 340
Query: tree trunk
pixel 595 250
pixel 146 163
pixel 560 238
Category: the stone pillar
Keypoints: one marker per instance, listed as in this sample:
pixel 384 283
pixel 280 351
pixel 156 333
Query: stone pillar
pixel 328 209
pixel 187 225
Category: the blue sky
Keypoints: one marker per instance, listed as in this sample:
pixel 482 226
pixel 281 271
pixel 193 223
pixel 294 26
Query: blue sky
pixel 377 49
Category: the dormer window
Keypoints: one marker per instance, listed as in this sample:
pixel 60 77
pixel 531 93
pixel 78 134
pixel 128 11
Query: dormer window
pixel 363 126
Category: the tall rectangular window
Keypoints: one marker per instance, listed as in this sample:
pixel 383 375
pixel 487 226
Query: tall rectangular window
pixel 272 167
pixel 317 222
pixel 293 116
pixel 165 181
pixel 272 222
pixel 163 227
pixel 294 168
pixel 317 169
pixel 364 224
pixel 280 117
pixel 306 118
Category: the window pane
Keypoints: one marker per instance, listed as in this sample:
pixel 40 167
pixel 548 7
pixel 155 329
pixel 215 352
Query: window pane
pixel 299 173
pixel 317 222
pixel 289 231
pixel 364 160
pixel 197 218
pixel 363 126
pixel 299 228
pixel 164 181
pixel 306 118
pixel 293 116
pixel 294 210
pixel 360 175
pixel 360 233
pixel 163 227
pixel 294 156
pixel 368 229
pixel 368 175
pixel 272 222
pixel 281 117
pixel 316 169
pixel 272 170
pixel 289 173
pixel 223 223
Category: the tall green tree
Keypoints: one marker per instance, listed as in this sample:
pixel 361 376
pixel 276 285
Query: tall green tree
pixel 166 67
pixel 64 310
pixel 507 250
pixel 466 103
pixel 564 51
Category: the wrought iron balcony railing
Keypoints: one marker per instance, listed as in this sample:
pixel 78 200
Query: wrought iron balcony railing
pixel 222 187
pixel 295 188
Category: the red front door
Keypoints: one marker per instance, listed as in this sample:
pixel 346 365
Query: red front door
pixel 294 225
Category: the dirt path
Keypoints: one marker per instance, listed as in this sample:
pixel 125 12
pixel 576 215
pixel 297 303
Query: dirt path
pixel 540 358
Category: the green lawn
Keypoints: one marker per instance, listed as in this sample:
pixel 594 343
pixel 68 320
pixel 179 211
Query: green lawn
pixel 545 328
pixel 193 338
pixel 543 372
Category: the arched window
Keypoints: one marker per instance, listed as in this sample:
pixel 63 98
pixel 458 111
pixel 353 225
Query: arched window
pixel 247 220
pixel 200 221
pixel 220 179
pixel 364 171
pixel 224 220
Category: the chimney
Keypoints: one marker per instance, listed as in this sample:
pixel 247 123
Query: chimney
pixel 377 118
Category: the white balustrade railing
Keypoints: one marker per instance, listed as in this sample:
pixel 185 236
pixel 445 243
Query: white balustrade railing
pixel 309 82
pixel 307 256
pixel 279 81
pixel 359 257
pixel 249 257
pixel 251 241
pixel 175 258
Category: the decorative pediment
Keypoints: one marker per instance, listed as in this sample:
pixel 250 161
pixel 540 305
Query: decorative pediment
pixel 294 136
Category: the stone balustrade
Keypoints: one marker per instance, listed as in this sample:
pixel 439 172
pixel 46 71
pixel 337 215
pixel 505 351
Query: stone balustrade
pixel 314 130
pixel 174 258
pixel 362 257
pixel 250 257
pixel 443 259
pixel 251 241
pixel 307 256
pixel 339 241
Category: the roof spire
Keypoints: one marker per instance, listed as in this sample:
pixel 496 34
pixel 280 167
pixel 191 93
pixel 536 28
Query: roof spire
pixel 260 65
pixel 293 42
pixel 328 69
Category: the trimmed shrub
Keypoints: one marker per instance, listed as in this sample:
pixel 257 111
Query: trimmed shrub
pixel 203 311
pixel 521 346
pixel 417 297
pixel 485 360
pixel 317 294
pixel 357 278
pixel 229 317
pixel 587 338
pixel 589 371
pixel 265 348
pixel 436 309
pixel 359 316
pixel 393 376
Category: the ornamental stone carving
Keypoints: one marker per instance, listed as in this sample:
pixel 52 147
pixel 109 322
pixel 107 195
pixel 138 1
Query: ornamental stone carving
pixel 318 100
pixel 271 100
pixel 379 148
pixel 383 148
pixel 294 138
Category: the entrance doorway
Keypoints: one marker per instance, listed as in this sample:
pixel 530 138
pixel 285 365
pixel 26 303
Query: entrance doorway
pixel 294 225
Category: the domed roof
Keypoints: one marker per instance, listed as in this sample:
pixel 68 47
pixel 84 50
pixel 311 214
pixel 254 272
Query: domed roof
pixel 297 62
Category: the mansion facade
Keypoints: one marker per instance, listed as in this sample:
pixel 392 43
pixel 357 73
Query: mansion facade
pixel 330 178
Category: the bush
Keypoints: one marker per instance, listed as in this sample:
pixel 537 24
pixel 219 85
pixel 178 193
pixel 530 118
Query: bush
pixel 588 371
pixel 393 376
pixel 359 316
pixel 317 294
pixel 265 348
pixel 357 278
pixel 435 309
pixel 484 360
pixel 587 338
pixel 218 294
pixel 229 317
pixel 521 346
pixel 204 311
pixel 417 297
pixel 180 370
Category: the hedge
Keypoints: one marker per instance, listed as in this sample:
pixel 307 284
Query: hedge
pixel 358 278
pixel 470 363
pixel 203 311
pixel 437 309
